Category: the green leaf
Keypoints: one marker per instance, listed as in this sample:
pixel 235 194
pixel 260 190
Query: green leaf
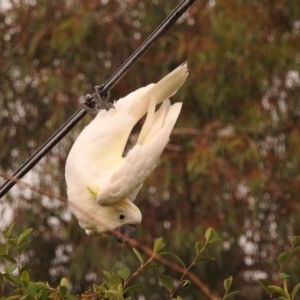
pixel 283 258
pixel 149 266
pixel 203 259
pixel 209 234
pixel 25 276
pixel 186 284
pixel 41 284
pixel 177 298
pixel 120 289
pixel 107 274
pixel 283 298
pixel 295 290
pixel 6 234
pixel 10 268
pixel 276 289
pixel 124 272
pixel 9 258
pixel 15 292
pixel 294 250
pixel 199 246
pixel 115 280
pixel 231 295
pixel 174 256
pixel 64 282
pixel 132 288
pixel 13 241
pixel 13 279
pixel 2 249
pixel 113 293
pixel 96 288
pixel 27 268
pixel 62 291
pixel 158 245
pixel 24 234
pixel 166 281
pixel 283 276
pixel 22 247
pixel 138 255
pixel 264 284
pixel 227 283
pixel 294 240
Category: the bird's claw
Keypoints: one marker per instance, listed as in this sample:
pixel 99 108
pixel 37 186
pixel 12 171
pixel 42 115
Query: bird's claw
pixel 88 104
pixel 100 101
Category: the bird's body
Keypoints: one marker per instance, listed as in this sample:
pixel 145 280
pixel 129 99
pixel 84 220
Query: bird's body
pixel 101 183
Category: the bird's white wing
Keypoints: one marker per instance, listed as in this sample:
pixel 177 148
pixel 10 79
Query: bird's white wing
pixel 141 159
pixel 139 163
pixel 98 150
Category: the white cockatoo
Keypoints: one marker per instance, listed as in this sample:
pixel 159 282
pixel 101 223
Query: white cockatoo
pixel 101 183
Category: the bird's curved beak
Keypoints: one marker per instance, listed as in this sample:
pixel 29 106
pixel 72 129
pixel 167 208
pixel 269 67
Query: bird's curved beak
pixel 127 230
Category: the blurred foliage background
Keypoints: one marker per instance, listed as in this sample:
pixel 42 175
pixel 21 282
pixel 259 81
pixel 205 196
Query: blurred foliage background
pixel 233 162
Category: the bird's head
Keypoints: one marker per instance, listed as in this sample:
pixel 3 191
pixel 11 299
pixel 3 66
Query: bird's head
pixel 122 217
pixel 129 216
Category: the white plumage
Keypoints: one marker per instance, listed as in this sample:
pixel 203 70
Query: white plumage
pixel 101 184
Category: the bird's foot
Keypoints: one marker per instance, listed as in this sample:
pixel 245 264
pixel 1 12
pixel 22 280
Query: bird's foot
pixel 88 104
pixel 100 101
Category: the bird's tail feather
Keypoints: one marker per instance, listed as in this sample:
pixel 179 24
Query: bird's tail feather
pixel 169 85
pixel 166 116
pixel 160 91
pixel 154 121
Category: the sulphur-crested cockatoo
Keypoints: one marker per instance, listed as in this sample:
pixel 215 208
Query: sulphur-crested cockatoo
pixel 101 183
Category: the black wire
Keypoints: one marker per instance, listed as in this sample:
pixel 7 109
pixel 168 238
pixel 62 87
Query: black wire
pixel 104 89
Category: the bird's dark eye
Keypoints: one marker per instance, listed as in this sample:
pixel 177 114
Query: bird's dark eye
pixel 122 217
